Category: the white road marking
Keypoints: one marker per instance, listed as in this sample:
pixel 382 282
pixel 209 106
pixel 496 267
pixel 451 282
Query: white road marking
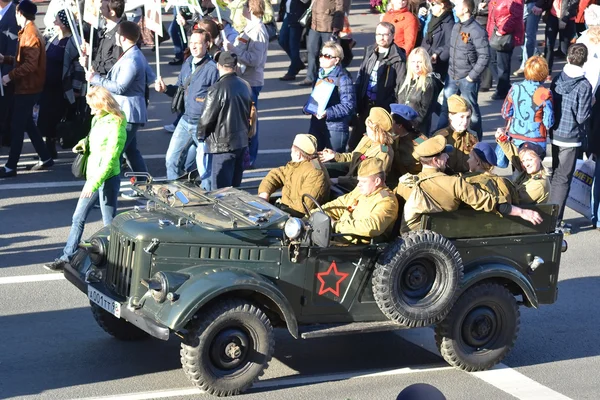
pixel 31 278
pixel 501 376
pixel 274 383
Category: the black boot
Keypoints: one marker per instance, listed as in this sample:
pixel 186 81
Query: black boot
pixel 51 146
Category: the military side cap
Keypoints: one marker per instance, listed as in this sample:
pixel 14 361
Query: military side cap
pixel 457 104
pixel 486 152
pixel 536 148
pixel 379 116
pixel 305 142
pixel 432 147
pixel 404 111
pixel 370 166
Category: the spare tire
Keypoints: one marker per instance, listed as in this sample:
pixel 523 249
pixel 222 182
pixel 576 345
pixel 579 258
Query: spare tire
pixel 416 279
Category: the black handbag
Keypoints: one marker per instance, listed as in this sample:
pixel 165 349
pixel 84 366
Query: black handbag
pixel 75 124
pixel 79 166
pixel 501 42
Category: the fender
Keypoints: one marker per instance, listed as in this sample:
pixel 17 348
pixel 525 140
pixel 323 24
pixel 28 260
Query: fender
pixel 495 270
pixel 205 284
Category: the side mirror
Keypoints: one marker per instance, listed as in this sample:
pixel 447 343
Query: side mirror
pixel 320 234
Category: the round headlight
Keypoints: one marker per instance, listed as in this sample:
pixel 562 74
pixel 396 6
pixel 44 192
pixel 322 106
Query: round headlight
pixel 293 228
pixel 160 294
pixel 97 251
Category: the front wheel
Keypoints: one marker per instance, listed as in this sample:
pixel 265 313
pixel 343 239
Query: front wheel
pixel 227 347
pixel 481 328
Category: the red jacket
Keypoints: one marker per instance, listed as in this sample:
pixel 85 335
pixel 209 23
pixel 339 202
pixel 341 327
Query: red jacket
pixel 406 26
pixel 507 17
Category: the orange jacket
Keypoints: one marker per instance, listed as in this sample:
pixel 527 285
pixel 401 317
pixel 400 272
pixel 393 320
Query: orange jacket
pixel 29 73
pixel 407 27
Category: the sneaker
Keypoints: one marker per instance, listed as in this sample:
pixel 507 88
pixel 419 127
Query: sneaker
pixel 56 265
pixel 306 82
pixel 518 72
pixel 169 128
pixel 176 61
pixel 42 165
pixel 288 77
pixel 497 96
pixel 7 174
pixel 131 195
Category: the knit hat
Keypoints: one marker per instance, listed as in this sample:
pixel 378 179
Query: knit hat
pixel 370 166
pixel 457 104
pixel 432 147
pixel 226 59
pixel 486 152
pixel 536 148
pixel 27 7
pixel 62 16
pixel 305 142
pixel 379 116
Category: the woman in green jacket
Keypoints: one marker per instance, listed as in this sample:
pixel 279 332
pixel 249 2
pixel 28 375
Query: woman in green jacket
pixel 105 144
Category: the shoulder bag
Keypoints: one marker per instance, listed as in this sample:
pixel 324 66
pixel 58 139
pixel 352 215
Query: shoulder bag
pixel 306 18
pixel 178 102
pixel 79 166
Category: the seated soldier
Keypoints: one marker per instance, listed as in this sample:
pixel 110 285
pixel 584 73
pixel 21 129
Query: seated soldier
pixel 530 178
pixel 376 143
pixel 433 191
pixel 457 135
pixel 406 138
pixel 482 161
pixel 368 211
pixel 304 174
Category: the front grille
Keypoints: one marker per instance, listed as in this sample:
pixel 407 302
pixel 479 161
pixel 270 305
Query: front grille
pixel 121 258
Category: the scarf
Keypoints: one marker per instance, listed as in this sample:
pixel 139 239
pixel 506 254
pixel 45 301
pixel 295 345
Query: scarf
pixel 434 23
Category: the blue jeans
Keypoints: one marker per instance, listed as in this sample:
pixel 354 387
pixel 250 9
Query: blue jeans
pixel 182 150
pixel 175 33
pixel 21 122
pixel 314 41
pixel 132 154
pixel 532 22
pixel 253 145
pixel 469 91
pixel 226 169
pixel 289 40
pixel 107 194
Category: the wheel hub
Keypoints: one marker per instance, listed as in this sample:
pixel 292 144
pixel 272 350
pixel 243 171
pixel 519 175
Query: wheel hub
pixel 229 349
pixel 480 327
pixel 232 350
pixel 418 280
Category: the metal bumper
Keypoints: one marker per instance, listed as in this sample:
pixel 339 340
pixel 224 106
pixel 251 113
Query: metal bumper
pixel 144 323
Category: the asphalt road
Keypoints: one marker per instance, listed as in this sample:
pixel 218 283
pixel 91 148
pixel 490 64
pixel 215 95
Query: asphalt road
pixel 51 347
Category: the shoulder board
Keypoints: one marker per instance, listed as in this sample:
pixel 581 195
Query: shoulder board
pixel 538 176
pixel 384 148
pixel 443 132
pixel 419 139
pixel 315 162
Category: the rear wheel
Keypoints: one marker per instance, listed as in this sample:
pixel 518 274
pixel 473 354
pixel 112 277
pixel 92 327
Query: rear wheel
pixel 227 347
pixel 481 329
pixel 117 327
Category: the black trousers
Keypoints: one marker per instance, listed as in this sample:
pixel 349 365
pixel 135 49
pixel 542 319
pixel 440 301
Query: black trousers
pixel 563 166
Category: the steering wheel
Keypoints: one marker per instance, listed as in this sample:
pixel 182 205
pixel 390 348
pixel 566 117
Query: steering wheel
pixel 315 202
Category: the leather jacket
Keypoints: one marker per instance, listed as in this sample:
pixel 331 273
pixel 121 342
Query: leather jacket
pixel 225 121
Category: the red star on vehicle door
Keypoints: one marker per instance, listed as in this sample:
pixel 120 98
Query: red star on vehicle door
pixel 339 275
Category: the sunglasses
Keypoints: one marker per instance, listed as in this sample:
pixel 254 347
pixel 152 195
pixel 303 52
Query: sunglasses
pixel 327 56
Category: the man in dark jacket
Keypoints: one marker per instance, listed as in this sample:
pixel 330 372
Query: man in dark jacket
pixel 290 35
pixel 380 76
pixel 107 52
pixel 224 125
pixel 469 56
pixel 198 74
pixel 8 46
pixel 572 94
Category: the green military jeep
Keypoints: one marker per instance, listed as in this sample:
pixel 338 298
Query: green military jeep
pixel 221 269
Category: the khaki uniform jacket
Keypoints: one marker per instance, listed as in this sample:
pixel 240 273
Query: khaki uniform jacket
pixel 404 162
pixel 448 192
pixel 296 179
pixel 463 143
pixel 368 216
pixel 498 186
pixel 366 148
pixel 29 73
pixel 531 189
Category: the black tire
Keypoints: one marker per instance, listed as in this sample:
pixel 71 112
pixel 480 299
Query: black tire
pixel 224 327
pixel 481 329
pixel 117 327
pixel 416 279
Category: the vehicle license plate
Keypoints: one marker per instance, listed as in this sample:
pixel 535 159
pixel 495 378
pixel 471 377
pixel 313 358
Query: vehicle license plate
pixel 110 305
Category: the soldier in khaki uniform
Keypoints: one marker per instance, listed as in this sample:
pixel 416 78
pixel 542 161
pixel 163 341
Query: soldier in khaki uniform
pixel 406 138
pixel 457 134
pixel 433 191
pixel 530 179
pixel 376 143
pixel 370 210
pixel 482 161
pixel 304 174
